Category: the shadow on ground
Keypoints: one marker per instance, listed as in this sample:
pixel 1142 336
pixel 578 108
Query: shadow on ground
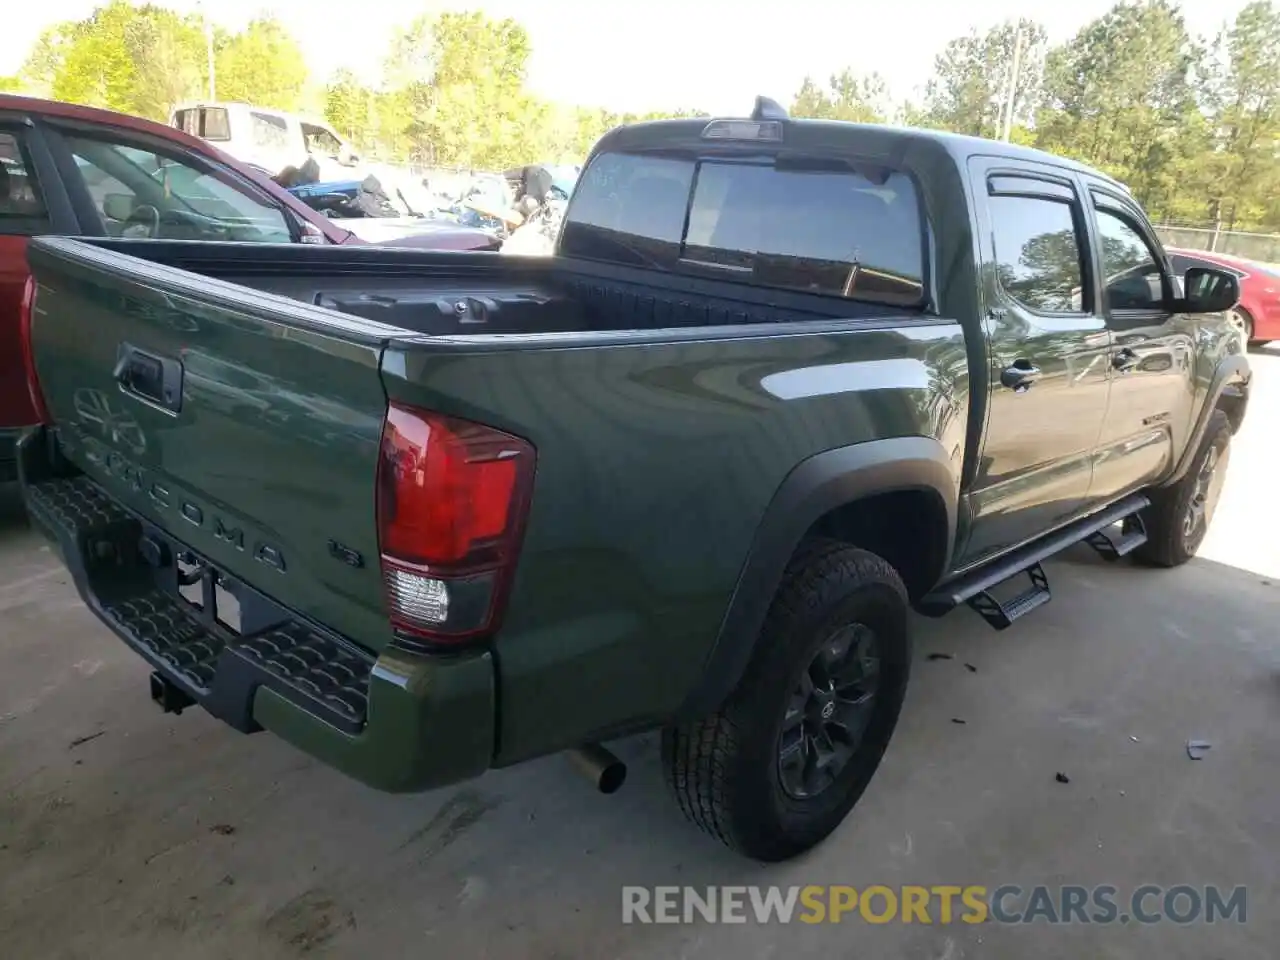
pixel 126 833
pixel 13 515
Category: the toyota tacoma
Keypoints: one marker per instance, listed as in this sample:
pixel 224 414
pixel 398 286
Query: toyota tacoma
pixel 426 514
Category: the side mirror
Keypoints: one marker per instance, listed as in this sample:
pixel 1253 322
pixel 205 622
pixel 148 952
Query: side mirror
pixel 1206 290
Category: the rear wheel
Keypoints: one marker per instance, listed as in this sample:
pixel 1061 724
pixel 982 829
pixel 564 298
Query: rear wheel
pixel 782 762
pixel 1179 516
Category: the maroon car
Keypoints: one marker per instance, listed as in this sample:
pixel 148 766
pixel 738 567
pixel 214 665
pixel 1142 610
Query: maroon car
pixel 80 171
pixel 1258 312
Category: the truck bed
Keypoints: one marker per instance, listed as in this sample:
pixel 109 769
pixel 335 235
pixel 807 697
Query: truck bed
pixel 439 293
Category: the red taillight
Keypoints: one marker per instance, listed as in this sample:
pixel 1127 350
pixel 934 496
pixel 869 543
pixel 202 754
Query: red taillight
pixel 452 499
pixel 26 318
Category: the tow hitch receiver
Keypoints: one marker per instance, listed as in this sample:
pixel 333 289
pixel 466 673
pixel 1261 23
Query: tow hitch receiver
pixel 168 696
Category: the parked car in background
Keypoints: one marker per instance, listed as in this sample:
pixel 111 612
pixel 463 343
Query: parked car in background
pixel 80 171
pixel 269 139
pixel 1257 315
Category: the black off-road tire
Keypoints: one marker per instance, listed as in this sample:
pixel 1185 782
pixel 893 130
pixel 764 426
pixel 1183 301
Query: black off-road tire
pixel 724 768
pixel 1168 543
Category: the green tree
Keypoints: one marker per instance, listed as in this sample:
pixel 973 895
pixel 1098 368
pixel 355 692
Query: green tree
pixel 350 106
pixel 262 65
pixel 1120 96
pixel 970 85
pixel 847 96
pixel 12 84
pixel 170 65
pixel 144 59
pixel 458 85
pixel 138 59
pixel 1242 99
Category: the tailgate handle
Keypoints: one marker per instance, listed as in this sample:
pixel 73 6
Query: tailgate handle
pixel 154 379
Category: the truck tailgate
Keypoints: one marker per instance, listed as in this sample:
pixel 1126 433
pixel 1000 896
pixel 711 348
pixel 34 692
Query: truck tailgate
pixel 244 425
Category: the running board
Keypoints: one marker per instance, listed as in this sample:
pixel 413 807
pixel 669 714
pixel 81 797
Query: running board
pixel 974 587
pixel 1132 535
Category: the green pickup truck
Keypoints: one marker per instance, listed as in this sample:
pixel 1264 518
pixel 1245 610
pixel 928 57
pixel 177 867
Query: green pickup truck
pixel 427 514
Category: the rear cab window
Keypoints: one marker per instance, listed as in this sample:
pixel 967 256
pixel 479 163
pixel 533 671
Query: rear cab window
pixel 813 226
pixel 22 206
pixel 207 123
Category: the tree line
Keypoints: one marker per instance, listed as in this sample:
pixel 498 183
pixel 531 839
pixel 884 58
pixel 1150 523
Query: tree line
pixel 1191 124
pixel 453 89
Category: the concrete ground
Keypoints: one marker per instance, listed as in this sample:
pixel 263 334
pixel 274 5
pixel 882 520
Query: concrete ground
pixel 128 834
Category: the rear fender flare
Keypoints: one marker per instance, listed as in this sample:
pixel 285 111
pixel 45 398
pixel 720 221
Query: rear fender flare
pixel 812 489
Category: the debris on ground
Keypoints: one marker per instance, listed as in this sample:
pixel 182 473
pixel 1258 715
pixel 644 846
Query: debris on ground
pixel 1196 749
pixel 223 829
pixel 1062 778
pixel 971 668
pixel 959 721
pixel 939 656
pixel 85 739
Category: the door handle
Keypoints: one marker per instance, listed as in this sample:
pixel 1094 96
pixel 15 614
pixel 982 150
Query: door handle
pixel 1019 376
pixel 1125 360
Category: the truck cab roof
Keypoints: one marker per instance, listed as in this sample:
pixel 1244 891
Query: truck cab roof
pixel 835 136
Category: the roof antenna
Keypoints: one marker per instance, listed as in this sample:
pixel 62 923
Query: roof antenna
pixel 767 109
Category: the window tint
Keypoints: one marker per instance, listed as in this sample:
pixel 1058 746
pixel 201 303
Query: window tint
pixel 141 193
pixel 215 124
pixel 209 123
pixel 1038 253
pixel 321 141
pixel 635 206
pixel 1130 273
pixel 269 131
pixel 22 208
pixel 814 229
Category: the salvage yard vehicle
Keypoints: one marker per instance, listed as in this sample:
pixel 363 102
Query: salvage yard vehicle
pixel 68 169
pixel 267 138
pixel 781 382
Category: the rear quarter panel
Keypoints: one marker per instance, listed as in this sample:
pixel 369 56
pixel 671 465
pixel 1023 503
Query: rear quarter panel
pixel 656 459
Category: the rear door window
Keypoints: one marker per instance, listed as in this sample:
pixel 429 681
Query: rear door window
pixel 269 131
pixel 1038 253
pixel 811 227
pixel 22 208
pixel 138 192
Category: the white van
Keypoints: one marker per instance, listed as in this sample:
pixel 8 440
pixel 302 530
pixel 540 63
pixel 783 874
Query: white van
pixel 268 139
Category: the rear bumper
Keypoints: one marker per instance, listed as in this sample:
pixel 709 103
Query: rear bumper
pixel 398 722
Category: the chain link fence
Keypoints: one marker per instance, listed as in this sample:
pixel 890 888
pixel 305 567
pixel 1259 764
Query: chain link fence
pixel 1263 247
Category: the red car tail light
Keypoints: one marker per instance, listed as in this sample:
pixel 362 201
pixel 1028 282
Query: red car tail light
pixel 26 320
pixel 452 500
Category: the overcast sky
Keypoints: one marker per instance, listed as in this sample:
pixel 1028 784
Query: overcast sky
pixel 715 55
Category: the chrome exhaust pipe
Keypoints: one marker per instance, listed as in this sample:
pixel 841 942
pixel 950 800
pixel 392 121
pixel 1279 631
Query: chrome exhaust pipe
pixel 599 766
